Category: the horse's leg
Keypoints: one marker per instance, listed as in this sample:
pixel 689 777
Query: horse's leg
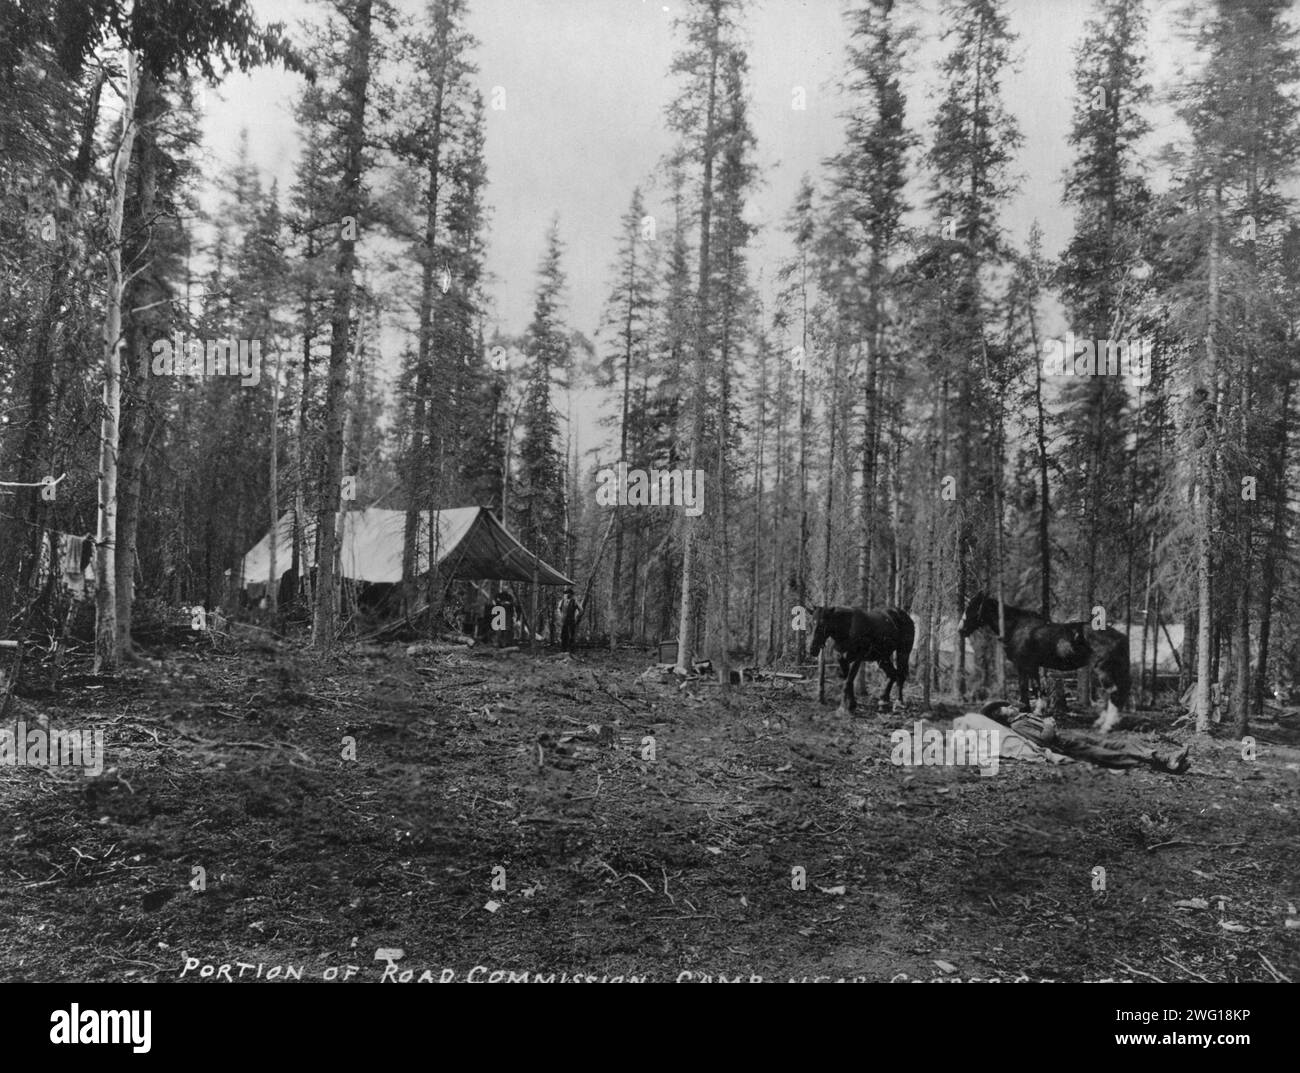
pixel 1109 713
pixel 1024 673
pixel 849 702
pixel 887 665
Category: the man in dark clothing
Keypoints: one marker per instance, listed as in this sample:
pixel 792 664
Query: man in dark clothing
pixel 567 613
pixel 506 602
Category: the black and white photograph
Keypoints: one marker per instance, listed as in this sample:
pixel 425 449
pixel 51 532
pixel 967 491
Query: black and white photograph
pixel 651 491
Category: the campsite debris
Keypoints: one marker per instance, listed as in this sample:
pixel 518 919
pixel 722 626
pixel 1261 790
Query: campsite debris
pixel 604 689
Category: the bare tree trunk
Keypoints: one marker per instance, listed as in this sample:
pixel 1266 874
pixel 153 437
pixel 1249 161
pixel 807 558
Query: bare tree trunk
pixel 1044 487
pixel 1146 618
pixel 1274 547
pixel 870 442
pixel 1186 668
pixel 724 523
pixel 801 562
pixel 1241 617
pixel 344 464
pixel 108 647
pixel 273 496
pixel 1092 522
pixel 1208 381
pixel 298 564
pixel 830 479
pixel 776 623
pixel 137 423
pixel 896 570
pixel 759 477
pixel 928 586
pixel 615 604
pixel 1155 651
pixel 1000 665
pixel 686 622
pixel 418 494
pixel 324 621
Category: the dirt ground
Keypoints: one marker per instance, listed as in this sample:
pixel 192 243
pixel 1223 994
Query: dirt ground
pixel 499 818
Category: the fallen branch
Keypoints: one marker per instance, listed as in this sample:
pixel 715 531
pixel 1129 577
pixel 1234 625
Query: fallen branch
pixel 608 693
pixel 1269 965
pixel 666 894
pixel 1185 842
pixel 1184 968
pixel 630 875
pixel 1138 971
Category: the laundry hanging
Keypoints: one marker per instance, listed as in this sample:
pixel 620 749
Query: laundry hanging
pixel 71 564
pixel 76 569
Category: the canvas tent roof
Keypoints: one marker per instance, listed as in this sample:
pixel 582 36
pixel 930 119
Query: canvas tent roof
pixel 471 544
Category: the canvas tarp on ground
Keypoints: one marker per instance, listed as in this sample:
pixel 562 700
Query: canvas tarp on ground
pixel 471 544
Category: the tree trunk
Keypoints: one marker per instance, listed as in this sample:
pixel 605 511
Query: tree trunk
pixel 1275 546
pixel 107 640
pixel 324 621
pixel 1241 617
pixel 137 424
pixel 418 494
pixel 273 495
pixel 685 638
pixel 759 477
pixel 1208 381
pixel 870 442
pixel 801 562
pixel 1044 487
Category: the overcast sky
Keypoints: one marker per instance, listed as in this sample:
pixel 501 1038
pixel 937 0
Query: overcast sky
pixel 586 85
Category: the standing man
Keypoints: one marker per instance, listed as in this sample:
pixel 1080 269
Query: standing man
pixel 506 601
pixel 567 613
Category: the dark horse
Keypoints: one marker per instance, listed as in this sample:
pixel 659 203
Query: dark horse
pixel 884 637
pixel 1031 642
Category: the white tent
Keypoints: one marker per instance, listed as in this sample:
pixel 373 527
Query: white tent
pixel 470 544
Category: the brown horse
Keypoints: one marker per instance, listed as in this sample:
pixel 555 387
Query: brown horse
pixel 884 637
pixel 1032 642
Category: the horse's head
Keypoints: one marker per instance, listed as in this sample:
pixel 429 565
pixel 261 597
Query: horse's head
pixel 981 611
pixel 821 629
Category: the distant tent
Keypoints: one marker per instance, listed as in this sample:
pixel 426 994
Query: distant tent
pixel 471 545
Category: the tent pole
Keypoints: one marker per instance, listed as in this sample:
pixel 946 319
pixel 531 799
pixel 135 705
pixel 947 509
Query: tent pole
pixel 532 619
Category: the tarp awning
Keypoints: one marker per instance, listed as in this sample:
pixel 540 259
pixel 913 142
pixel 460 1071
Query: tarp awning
pixel 470 544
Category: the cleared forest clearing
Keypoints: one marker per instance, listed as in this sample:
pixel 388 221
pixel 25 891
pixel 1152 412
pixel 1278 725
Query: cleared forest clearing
pixel 614 865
